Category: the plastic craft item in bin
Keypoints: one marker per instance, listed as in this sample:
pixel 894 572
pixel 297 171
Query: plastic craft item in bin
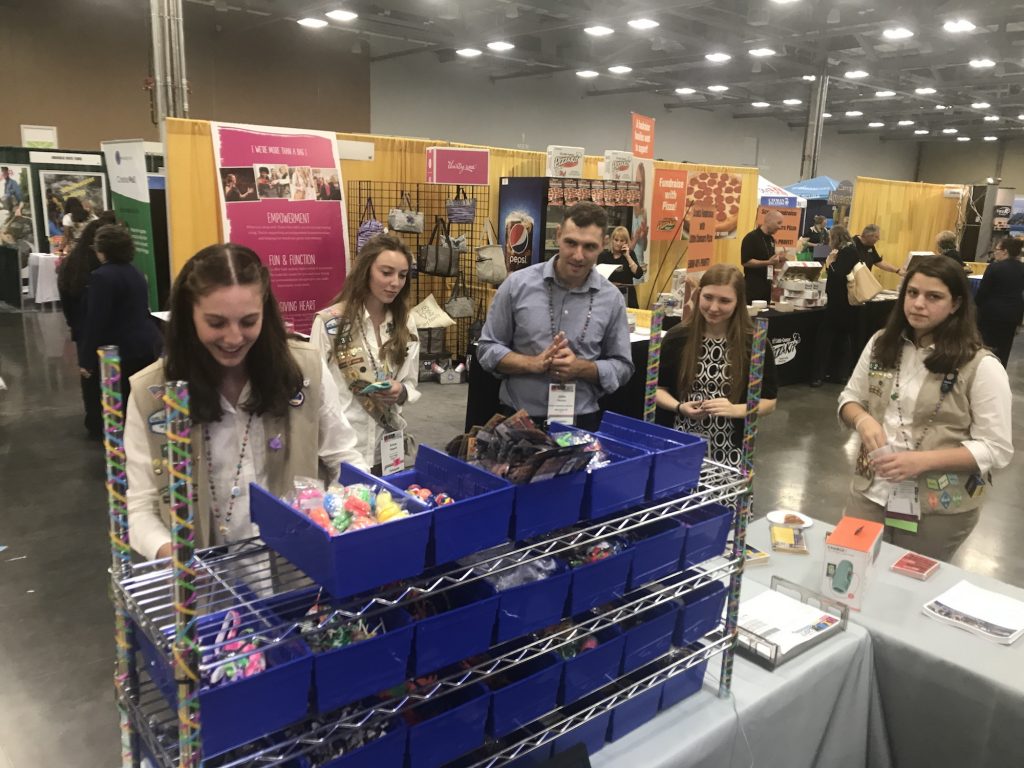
pixel 600 582
pixel 657 548
pixel 523 693
pixel 351 562
pixel 480 515
pixel 547 505
pixel 676 456
pixel 701 612
pixel 707 530
pixel 462 626
pixel 648 635
pixel 237 712
pixel 684 684
pixel 618 486
pixel 531 606
pixel 591 734
pixel 593 668
pixel 631 714
pixel 448 727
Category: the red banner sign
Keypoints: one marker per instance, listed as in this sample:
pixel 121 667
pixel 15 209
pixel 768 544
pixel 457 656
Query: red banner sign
pixel 669 204
pixel 643 136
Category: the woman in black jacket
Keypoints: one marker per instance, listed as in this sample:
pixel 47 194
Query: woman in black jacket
pixel 999 299
pixel 835 336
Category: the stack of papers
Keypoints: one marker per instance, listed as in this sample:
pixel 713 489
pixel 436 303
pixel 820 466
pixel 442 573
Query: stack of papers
pixel 784 621
pixel 987 614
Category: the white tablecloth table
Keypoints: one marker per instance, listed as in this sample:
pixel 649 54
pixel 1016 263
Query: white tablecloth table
pixel 42 278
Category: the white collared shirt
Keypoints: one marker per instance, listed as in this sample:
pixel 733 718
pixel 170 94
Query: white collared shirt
pixel 991 440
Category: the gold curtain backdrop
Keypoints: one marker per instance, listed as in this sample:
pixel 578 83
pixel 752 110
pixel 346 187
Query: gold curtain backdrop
pixel 910 215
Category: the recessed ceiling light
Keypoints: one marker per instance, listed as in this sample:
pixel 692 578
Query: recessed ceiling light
pixel 980 105
pixel 313 23
pixel 1020 117
pixel 783 2
pixel 500 45
pixel 941 106
pixel 876 125
pixel 643 24
pixel 342 15
pixel 991 118
pixel 905 122
pixel 991 138
pixel 620 69
pixel 810 78
pixel 926 91
pixel 982 63
pixel 897 33
pixel 718 88
pixel 884 94
pixel 761 52
pixel 760 104
pixel 963 138
pixel 718 57
pixel 921 131
pixel 958 25
pixel 791 102
pixel 586 73
pixel 950 130
pixel 856 74
pixel 826 114
pixel 686 91
pixel 468 53
pixel 598 31
pixel 854 113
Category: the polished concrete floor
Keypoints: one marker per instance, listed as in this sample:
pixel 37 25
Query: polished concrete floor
pixel 56 647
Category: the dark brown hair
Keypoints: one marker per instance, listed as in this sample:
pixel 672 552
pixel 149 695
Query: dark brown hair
pixel 114 241
pixel 1012 246
pixel 839 237
pixel 74 270
pixel 357 287
pixel 274 376
pixel 738 335
pixel 587 214
pixel 956 339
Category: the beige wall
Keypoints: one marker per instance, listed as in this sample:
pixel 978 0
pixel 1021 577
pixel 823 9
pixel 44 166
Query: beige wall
pixel 963 163
pixel 81 64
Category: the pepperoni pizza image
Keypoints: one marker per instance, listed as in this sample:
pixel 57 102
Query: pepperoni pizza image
pixel 721 193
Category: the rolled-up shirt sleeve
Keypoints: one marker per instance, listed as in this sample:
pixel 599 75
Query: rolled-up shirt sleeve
pixel 499 330
pixel 991 441
pixel 337 438
pixel 615 366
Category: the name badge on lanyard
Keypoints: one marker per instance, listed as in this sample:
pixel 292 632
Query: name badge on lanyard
pixel 903 509
pixel 392 452
pixel 562 403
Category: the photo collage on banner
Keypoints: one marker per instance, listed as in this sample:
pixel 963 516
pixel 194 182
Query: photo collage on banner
pixel 17 224
pixel 281 195
pixel 57 187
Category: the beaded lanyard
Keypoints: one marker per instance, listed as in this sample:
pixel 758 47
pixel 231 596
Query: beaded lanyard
pixel 236 489
pixel 380 374
pixel 947 386
pixel 586 323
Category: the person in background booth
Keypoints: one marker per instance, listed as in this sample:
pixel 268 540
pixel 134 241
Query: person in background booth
pixel 835 335
pixel 264 408
pixel 628 269
pixel 757 253
pixel 76 216
pixel 1000 298
pixel 945 245
pixel 705 367
pixel 816 234
pixel 865 243
pixel 368 338
pixel 931 407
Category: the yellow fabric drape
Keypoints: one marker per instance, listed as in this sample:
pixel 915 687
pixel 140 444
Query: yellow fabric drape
pixel 910 215
pixel 193 205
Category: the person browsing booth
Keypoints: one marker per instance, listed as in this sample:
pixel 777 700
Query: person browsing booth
pixel 556 334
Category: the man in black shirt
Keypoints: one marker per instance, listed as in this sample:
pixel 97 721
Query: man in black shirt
pixel 757 253
pixel 865 243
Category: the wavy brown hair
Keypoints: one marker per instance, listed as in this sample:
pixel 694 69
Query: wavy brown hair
pixel 738 335
pixel 274 376
pixel 956 338
pixel 357 287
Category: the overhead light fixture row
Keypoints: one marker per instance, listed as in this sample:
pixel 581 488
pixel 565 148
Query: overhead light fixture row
pixel 921 131
pixel 340 15
pixel 963 138
pixel 950 131
pixel 854 113
pixel 991 118
pixel 810 78
pixel 718 88
pixel 586 73
pixel 856 74
pixel 761 53
pixel 980 105
pixel 791 102
pixel 598 31
pixel 686 91
pixel 620 69
pixel 958 25
pixel 760 104
pixel 469 53
pixel 905 122
pixel 991 138
pixel 982 63
pixel 501 45
pixel 885 94
pixel 718 57
pixel 643 24
pixel 897 33
pixel 876 125
pixel 926 91
pixel 312 23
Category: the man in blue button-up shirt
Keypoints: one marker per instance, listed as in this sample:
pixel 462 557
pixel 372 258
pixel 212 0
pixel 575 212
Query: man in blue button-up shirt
pixel 560 322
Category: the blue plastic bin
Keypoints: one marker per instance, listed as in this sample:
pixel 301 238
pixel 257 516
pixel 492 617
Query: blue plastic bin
pixel 238 712
pixel 547 505
pixel 630 715
pixel 593 669
pixel 701 612
pixel 386 752
pixel 451 726
pixel 677 456
pixel 591 734
pixel 526 692
pixel 351 562
pixel 707 530
pixel 529 607
pixel 683 685
pixel 480 516
pixel 601 582
pixel 619 486
pixel 650 638
pixel 656 551
pixel 463 628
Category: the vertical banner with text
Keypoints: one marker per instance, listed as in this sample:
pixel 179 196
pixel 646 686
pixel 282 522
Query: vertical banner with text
pixel 700 253
pixel 129 197
pixel 281 196
pixel 669 204
pixel 643 136
pixel 789 233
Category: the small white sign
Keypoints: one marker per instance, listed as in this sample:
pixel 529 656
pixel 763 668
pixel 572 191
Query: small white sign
pixel 65 158
pixel 39 136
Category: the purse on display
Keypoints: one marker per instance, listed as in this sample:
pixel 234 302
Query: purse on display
pixel 438 256
pixel 369 226
pixel 861 285
pixel 462 208
pixel 476 329
pixel 490 259
pixel 404 218
pixel 459 304
pixel 428 315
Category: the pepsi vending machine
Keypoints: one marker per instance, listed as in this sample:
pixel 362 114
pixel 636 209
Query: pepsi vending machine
pixel 531 208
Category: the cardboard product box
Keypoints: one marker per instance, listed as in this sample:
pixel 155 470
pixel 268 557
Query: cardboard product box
pixel 850 553
pixel 566 162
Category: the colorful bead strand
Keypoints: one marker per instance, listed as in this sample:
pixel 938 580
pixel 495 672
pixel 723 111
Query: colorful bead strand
pixel 653 361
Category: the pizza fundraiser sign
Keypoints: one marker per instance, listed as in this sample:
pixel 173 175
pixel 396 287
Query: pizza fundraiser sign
pixel 789 232
pixel 669 204
pixel 719 192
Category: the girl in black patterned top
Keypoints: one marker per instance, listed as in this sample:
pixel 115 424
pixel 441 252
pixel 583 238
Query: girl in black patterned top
pixel 705 364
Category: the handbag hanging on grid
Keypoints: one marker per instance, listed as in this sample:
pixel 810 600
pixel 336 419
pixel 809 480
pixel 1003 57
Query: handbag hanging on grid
pixel 438 256
pixel 369 226
pixel 404 218
pixel 490 259
pixel 462 208
pixel 459 304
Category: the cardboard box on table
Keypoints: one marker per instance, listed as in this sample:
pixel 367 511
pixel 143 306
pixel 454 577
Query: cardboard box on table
pixel 850 553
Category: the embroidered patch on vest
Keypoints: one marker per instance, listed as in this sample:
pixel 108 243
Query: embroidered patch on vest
pixel 331 326
pixel 157 391
pixel 974 486
pixel 158 422
pixel 945 499
pixel 933 501
pixel 298 400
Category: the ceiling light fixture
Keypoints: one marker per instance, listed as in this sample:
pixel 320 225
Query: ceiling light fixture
pixel 980 105
pixel 826 114
pixel 854 113
pixel 760 104
pixel 982 63
pixel 809 78
pixel 884 94
pixel 686 91
pixel 897 33
pixel 963 138
pixel 718 88
pixel 991 118
pixel 500 45
pixel 926 91
pixel 958 25
pixel 761 52
pixel 991 138
pixel 598 31
pixel 342 15
pixel 783 2
pixel 643 24
pixel 856 74
pixel 950 131
pixel 941 106
pixel 791 102
pixel 313 23
pixel 905 122
pixel 718 57
pixel 586 73
pixel 876 125
pixel 921 131
pixel 468 53
pixel 620 69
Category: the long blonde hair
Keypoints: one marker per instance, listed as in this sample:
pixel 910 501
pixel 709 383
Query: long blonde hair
pixel 738 335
